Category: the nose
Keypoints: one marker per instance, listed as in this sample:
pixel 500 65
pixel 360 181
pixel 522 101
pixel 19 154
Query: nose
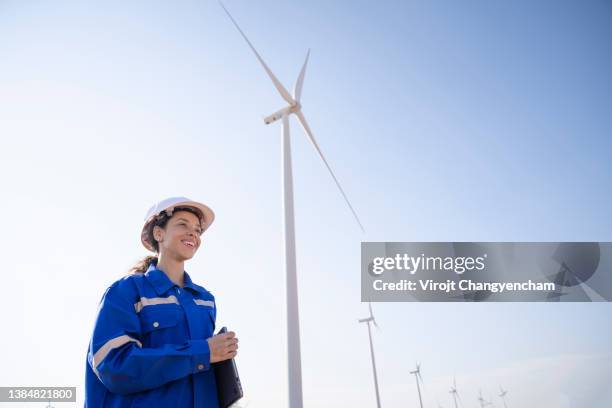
pixel 193 232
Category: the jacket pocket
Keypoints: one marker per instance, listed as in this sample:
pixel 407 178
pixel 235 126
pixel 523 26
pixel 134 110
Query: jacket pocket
pixel 160 325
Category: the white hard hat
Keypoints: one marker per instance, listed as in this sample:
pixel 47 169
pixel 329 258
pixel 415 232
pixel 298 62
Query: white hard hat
pixel 207 216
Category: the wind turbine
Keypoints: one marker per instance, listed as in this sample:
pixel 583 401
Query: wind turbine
pixel 483 402
pixel 294 107
pixel 503 396
pixel 368 320
pixel 417 377
pixel 455 394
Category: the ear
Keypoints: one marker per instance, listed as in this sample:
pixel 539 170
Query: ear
pixel 158 233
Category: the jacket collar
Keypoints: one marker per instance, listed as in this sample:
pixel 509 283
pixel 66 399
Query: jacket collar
pixel 161 283
pixel 190 285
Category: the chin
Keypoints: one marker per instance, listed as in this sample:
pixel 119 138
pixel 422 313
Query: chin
pixel 186 256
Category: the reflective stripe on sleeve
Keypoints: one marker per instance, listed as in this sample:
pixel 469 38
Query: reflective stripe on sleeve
pixel 154 301
pixel 201 302
pixel 108 346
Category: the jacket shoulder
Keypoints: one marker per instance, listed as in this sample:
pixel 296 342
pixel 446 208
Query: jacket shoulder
pixel 126 288
pixel 204 292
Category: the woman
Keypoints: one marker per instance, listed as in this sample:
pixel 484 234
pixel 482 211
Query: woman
pixel 153 342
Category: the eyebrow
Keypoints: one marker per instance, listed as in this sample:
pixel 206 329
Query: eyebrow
pixel 185 219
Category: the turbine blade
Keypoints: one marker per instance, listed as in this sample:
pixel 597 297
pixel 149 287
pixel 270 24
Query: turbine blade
pixel 281 89
pixel 304 124
pixel 370 308
pixel 297 90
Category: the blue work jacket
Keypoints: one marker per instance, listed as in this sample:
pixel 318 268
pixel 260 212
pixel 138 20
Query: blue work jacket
pixel 149 348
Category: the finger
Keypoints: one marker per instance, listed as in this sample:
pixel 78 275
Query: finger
pixel 230 341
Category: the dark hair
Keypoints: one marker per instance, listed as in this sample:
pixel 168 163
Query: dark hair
pixel 160 221
pixel 142 265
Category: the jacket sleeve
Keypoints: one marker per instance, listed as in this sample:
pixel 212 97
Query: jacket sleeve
pixel 121 363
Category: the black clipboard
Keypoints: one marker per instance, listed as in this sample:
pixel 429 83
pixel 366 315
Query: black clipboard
pixel 229 389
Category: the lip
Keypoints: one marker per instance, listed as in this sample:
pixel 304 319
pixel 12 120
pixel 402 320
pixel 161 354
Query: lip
pixel 189 244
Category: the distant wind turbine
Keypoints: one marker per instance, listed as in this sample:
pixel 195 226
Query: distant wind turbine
pixel 417 377
pixel 455 394
pixel 369 320
pixel 503 396
pixel 483 403
pixel 294 107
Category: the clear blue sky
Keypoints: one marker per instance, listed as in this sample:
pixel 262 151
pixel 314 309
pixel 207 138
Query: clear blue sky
pixel 472 120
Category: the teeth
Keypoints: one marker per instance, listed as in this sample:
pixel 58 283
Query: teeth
pixel 191 244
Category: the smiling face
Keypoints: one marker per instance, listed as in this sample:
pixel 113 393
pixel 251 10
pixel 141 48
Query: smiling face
pixel 180 239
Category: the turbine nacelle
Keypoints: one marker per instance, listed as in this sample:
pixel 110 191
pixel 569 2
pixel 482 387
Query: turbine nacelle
pixel 282 112
pixel 370 318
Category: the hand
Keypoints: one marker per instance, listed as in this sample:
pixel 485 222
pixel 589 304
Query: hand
pixel 223 347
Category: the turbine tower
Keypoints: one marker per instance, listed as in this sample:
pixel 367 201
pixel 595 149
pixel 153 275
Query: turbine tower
pixel 417 377
pixel 503 396
pixel 454 392
pixel 294 107
pixel 369 320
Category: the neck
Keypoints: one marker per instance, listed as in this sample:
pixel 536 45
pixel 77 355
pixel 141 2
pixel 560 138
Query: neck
pixel 174 269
